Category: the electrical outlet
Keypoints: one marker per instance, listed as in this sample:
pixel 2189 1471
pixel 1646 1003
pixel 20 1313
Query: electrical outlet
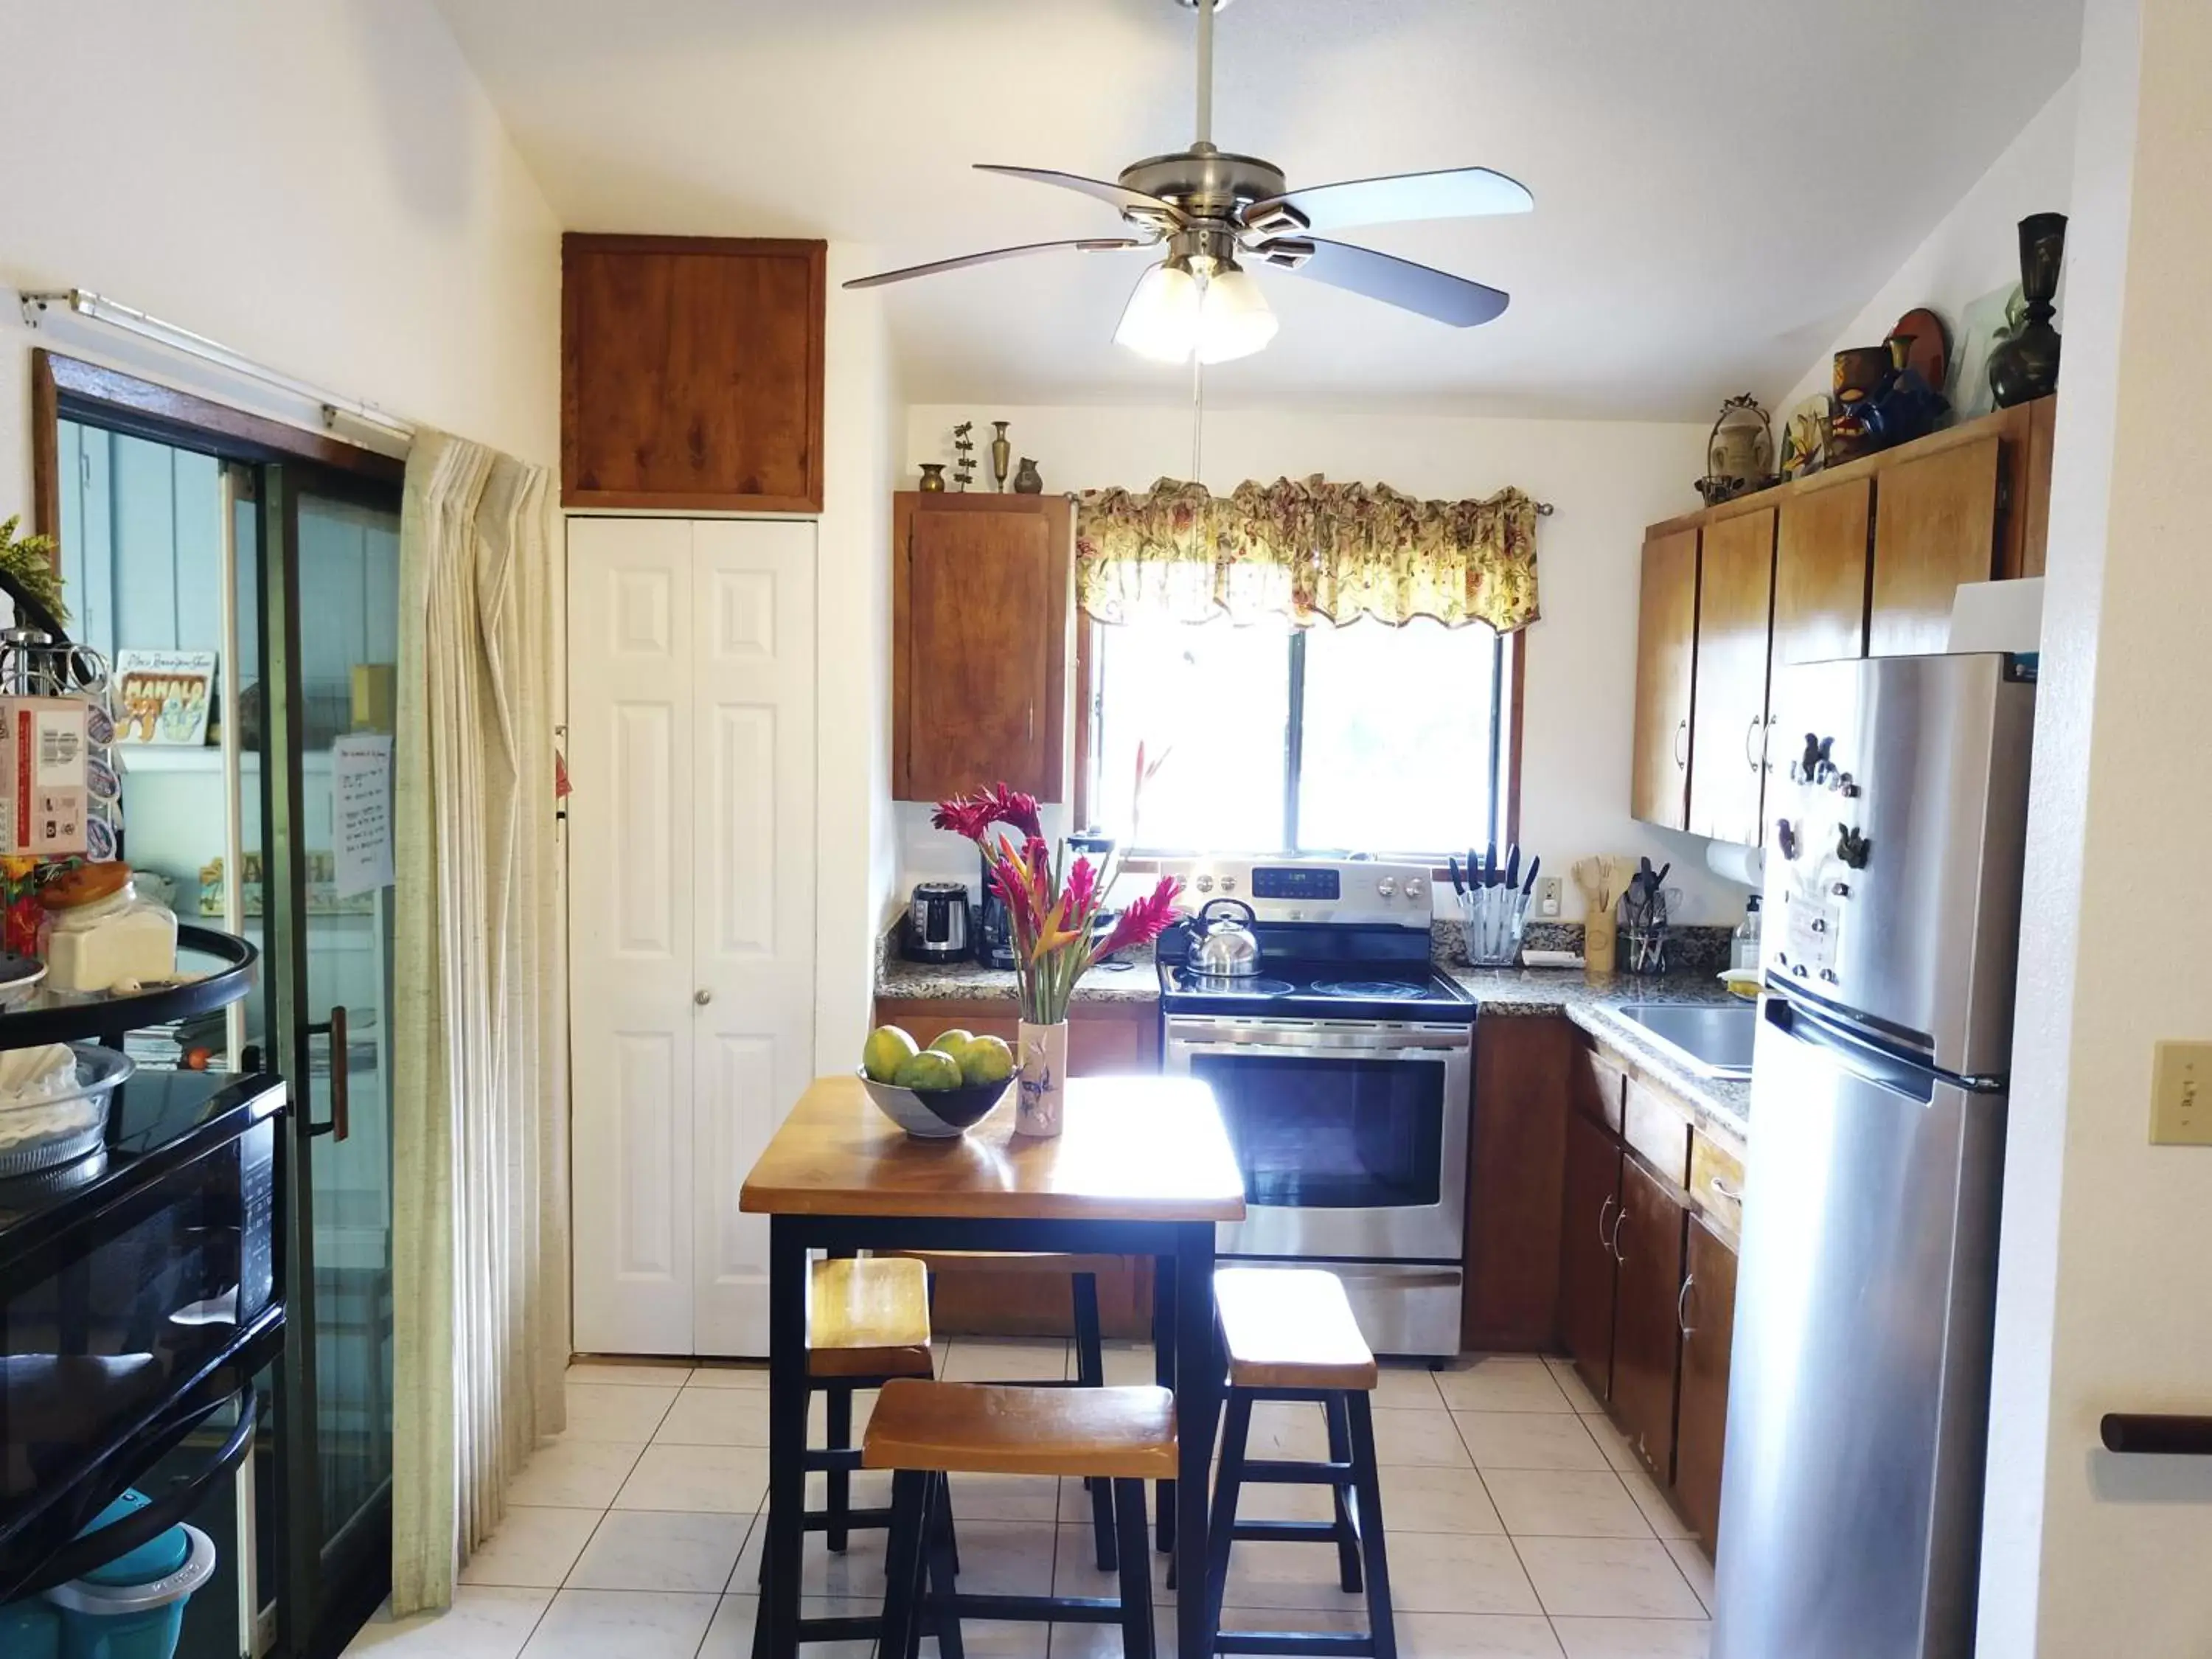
pixel 2181 1095
pixel 1548 898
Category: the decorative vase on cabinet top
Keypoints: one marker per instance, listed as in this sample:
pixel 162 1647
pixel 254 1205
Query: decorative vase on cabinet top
pixel 2025 366
pixel 1027 481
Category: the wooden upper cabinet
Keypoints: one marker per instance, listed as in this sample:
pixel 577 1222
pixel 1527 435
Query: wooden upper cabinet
pixel 1666 658
pixel 1728 735
pixel 1701 1420
pixel 1935 526
pixel 1646 1341
pixel 1820 573
pixel 979 643
pixel 691 372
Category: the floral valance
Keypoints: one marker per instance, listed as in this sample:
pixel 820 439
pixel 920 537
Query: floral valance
pixel 1305 550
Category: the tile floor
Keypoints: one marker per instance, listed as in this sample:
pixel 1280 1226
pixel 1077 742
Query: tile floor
pixel 1519 1525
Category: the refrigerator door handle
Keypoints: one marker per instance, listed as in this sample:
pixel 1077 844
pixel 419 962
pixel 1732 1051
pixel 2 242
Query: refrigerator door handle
pixel 1885 1068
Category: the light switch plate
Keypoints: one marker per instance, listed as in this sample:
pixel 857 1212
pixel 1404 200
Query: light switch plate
pixel 1548 898
pixel 2181 1095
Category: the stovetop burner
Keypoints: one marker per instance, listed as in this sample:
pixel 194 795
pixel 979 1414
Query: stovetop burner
pixel 1369 990
pixel 1235 985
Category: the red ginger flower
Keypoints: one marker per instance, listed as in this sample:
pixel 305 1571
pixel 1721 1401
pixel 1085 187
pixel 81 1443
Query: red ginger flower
pixel 1145 919
pixel 972 815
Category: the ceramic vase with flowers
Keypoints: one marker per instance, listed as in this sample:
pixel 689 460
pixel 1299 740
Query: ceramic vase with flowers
pixel 1052 903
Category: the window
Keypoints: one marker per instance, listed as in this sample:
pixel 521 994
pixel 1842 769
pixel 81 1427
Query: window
pixel 1360 739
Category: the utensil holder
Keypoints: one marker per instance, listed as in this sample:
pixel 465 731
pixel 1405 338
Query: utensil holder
pixel 1646 926
pixel 1493 919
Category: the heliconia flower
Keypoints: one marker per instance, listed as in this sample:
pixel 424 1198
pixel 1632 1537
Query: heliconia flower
pixel 1013 806
pixel 1146 919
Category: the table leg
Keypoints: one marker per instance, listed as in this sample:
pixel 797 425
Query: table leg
pixel 786 1437
pixel 1163 1373
pixel 1198 1389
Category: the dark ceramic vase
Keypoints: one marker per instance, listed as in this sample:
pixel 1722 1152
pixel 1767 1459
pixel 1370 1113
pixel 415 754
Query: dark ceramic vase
pixel 2026 367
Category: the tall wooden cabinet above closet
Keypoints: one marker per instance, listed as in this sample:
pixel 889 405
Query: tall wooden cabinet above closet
pixel 1863 560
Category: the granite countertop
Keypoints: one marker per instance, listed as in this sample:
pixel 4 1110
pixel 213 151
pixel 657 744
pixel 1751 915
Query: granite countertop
pixel 1127 978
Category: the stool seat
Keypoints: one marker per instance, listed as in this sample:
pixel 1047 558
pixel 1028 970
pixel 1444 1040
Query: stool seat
pixel 992 1428
pixel 1009 1261
pixel 1290 1327
pixel 868 1316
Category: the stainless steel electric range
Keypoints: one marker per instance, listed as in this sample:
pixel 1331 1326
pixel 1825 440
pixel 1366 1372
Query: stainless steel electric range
pixel 1343 1064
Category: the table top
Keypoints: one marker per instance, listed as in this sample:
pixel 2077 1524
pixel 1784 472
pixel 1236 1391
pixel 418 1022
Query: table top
pixel 1130 1149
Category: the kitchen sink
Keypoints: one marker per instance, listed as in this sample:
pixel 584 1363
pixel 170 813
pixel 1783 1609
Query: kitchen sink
pixel 1712 1039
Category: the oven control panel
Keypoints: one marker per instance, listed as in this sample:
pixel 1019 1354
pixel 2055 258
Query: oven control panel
pixel 1341 890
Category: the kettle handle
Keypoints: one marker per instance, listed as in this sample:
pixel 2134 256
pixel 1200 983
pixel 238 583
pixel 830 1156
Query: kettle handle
pixel 1206 917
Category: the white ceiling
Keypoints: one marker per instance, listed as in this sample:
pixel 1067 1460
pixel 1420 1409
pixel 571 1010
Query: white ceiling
pixel 1719 184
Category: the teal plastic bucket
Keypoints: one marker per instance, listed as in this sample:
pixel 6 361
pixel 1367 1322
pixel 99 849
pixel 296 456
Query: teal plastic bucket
pixel 32 1629
pixel 133 1606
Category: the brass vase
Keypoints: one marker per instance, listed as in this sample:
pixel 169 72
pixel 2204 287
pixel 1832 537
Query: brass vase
pixel 932 478
pixel 1002 452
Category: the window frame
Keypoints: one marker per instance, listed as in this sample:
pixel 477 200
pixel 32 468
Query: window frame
pixel 1509 670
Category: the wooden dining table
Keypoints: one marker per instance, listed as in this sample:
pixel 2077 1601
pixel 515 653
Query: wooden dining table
pixel 1142 1167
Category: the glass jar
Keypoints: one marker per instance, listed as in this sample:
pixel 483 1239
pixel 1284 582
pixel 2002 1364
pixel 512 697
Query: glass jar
pixel 100 935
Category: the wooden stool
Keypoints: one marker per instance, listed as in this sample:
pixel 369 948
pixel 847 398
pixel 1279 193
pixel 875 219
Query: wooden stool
pixel 1118 1437
pixel 867 1322
pixel 1083 1273
pixel 1290 1334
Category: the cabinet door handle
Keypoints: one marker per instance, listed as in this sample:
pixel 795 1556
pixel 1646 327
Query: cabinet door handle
pixel 341 1123
pixel 1767 743
pixel 1722 1189
pixel 1681 731
pixel 1758 722
pixel 1604 1241
pixel 1619 1260
pixel 1029 724
pixel 1682 1308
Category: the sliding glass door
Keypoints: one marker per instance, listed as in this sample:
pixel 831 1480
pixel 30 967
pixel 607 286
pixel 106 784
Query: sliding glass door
pixel 330 642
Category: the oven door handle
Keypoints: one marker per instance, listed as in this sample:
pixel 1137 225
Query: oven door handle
pixel 1303 1045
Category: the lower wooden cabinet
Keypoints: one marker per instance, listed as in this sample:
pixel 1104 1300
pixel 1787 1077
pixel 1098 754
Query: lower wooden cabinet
pixel 1646 1341
pixel 1701 1418
pixel 1588 1267
pixel 1104 1039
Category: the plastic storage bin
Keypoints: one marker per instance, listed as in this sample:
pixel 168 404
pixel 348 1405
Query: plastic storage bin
pixel 134 1607
pixel 31 1630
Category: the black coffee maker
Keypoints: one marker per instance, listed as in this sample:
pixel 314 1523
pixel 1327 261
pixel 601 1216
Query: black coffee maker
pixel 994 926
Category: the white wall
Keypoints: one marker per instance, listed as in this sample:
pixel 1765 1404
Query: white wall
pixel 1608 479
pixel 2104 1284
pixel 1974 249
pixel 856 865
pixel 323 187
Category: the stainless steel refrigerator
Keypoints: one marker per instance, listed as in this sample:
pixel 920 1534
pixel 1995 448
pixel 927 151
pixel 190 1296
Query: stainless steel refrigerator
pixel 1850 1510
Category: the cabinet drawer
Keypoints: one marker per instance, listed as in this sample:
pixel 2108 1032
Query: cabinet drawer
pixel 1717 1182
pixel 1658 1133
pixel 1597 1086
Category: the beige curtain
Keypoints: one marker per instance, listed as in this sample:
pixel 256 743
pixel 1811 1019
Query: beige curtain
pixel 1308 550
pixel 479 1113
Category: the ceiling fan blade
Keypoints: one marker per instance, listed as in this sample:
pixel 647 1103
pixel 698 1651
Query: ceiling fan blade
pixel 1384 276
pixel 1087 244
pixel 1456 193
pixel 1128 201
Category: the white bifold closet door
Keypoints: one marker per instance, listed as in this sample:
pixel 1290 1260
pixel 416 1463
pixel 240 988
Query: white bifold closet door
pixel 691 913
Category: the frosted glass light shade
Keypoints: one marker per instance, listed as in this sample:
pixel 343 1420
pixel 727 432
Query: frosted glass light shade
pixel 1234 319
pixel 1161 321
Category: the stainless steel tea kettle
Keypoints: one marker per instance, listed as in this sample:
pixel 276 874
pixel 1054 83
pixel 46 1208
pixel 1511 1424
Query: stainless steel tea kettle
pixel 1223 945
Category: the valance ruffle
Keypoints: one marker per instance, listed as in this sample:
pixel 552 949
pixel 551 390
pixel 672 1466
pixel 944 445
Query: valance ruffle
pixel 1305 550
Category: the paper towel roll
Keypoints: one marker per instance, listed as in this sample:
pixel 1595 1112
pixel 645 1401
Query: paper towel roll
pixel 1731 862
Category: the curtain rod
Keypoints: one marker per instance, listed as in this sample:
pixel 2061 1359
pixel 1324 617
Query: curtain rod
pixel 99 309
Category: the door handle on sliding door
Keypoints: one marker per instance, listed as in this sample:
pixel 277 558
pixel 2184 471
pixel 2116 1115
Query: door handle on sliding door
pixel 334 1027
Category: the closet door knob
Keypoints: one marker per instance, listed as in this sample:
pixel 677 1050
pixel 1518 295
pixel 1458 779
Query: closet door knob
pixel 702 996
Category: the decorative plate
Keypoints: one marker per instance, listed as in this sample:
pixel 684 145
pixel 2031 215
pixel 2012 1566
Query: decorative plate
pixel 1805 438
pixel 1931 345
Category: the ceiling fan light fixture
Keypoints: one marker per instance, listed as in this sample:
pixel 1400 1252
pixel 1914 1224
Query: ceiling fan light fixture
pixel 1161 321
pixel 1234 318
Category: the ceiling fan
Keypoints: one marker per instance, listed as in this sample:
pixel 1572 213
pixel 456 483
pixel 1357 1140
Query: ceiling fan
pixel 1206 206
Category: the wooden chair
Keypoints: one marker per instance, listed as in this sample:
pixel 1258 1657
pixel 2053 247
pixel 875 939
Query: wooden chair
pixel 1082 1271
pixel 1118 1437
pixel 1289 1334
pixel 867 1323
